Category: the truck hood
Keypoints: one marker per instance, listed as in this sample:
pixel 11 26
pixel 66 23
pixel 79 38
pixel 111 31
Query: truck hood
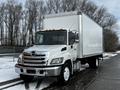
pixel 45 48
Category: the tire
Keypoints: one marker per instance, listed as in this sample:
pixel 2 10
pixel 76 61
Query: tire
pixel 93 63
pixel 65 74
pixel 26 78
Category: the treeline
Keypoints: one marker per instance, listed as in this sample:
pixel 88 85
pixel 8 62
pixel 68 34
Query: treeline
pixel 18 22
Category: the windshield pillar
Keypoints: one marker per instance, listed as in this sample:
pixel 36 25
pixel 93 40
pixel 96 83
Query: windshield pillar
pixel 67 37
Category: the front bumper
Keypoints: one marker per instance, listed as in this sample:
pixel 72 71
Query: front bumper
pixel 45 71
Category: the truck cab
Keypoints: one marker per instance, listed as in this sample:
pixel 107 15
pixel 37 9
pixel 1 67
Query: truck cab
pixel 52 55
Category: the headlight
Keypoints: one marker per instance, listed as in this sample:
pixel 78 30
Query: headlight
pixel 19 60
pixel 57 60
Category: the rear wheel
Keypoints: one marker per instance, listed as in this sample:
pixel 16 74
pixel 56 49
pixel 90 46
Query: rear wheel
pixel 26 78
pixel 93 63
pixel 97 63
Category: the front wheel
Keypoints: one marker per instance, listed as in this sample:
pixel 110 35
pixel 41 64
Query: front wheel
pixel 65 74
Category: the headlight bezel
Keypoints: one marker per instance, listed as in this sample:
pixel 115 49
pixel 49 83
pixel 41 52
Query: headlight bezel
pixel 19 61
pixel 55 61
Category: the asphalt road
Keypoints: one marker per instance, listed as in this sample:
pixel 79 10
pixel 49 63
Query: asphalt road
pixel 106 77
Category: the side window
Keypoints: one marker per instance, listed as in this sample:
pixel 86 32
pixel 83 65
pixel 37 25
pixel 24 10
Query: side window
pixel 72 37
pixel 77 36
pixel 39 38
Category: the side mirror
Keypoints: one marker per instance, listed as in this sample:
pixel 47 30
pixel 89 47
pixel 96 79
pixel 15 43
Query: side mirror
pixel 76 41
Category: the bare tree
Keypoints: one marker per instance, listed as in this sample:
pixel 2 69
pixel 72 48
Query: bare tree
pixel 41 12
pixel 56 6
pixel 11 19
pixel 2 7
pixel 110 40
pixel 69 5
pixel 31 7
pixel 53 6
pixel 99 15
pixel 35 10
pixel 24 28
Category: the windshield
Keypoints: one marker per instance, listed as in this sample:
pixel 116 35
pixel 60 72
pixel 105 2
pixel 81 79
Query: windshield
pixel 51 37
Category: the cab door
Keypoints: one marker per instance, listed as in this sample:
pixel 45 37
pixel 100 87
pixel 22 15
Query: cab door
pixel 72 45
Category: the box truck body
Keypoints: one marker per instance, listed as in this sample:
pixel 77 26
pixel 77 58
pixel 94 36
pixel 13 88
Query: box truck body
pixel 66 41
pixel 90 33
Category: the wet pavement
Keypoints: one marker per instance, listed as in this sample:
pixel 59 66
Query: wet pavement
pixel 106 77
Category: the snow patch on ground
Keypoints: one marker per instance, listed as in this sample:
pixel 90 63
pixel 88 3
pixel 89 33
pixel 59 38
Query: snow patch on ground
pixel 17 87
pixel 7 71
pixel 7 62
pixel 32 86
pixel 109 55
pixel 118 52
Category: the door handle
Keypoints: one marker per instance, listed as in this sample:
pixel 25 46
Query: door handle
pixel 75 49
pixel 71 46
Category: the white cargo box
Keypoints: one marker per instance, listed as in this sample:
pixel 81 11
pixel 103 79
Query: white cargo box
pixel 90 33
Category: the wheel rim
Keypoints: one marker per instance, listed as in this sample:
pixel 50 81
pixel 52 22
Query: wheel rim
pixel 97 62
pixel 66 74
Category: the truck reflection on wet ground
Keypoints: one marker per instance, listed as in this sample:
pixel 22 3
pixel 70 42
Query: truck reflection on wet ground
pixel 26 85
pixel 80 81
pixel 37 79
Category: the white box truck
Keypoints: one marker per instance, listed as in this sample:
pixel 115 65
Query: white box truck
pixel 66 41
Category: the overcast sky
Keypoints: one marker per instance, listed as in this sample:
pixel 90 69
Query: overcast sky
pixel 113 6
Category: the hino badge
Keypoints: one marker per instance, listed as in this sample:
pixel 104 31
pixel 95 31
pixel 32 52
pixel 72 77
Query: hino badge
pixel 66 41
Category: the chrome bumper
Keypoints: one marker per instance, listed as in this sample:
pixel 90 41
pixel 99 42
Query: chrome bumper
pixel 46 71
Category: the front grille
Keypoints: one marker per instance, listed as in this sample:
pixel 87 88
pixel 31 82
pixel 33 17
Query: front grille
pixel 33 58
pixel 30 59
pixel 43 62
pixel 32 54
pixel 27 54
pixel 38 55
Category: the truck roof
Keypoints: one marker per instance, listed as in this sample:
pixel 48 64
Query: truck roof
pixel 52 30
pixel 62 14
